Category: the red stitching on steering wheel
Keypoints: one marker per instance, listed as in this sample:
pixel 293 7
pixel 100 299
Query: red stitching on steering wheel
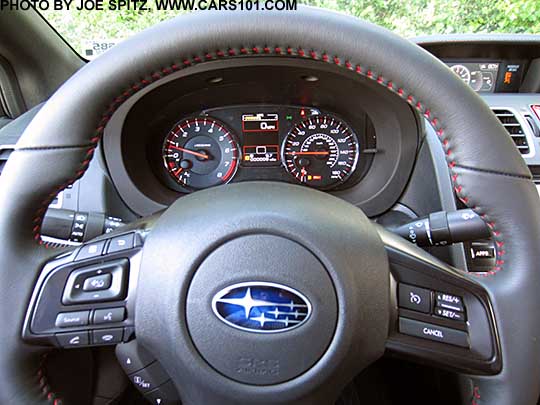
pixel 44 383
pixel 287 51
pixel 475 396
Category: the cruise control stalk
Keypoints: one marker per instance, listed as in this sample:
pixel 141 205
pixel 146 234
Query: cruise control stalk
pixel 76 226
pixel 444 228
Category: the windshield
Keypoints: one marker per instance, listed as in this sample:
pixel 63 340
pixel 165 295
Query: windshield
pixel 93 26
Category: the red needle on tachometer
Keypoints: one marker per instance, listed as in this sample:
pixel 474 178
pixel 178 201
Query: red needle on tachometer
pixel 308 153
pixel 192 152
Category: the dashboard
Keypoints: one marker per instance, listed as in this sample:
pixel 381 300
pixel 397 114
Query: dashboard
pixel 295 144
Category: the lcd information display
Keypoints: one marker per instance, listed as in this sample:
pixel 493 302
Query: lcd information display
pixel 261 139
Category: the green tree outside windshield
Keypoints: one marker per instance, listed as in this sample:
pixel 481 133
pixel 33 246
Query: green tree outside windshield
pixel 408 18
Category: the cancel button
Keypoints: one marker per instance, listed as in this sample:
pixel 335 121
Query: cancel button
pixel 433 332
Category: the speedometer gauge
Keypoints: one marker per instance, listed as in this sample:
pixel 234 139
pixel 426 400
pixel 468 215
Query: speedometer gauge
pixel 321 151
pixel 200 153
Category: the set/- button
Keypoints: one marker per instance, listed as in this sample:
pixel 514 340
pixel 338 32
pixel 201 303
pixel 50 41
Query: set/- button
pixel 448 313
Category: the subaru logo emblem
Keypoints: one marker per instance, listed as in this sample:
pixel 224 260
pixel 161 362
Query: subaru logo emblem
pixel 261 307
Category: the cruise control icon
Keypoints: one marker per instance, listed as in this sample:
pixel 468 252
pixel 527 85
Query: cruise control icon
pixel 261 307
pixel 415 298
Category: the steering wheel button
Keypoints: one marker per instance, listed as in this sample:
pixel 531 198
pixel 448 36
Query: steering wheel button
pixel 449 301
pixel 91 250
pixel 120 243
pixel 414 298
pixel 165 394
pixel 87 285
pixel 133 357
pixel 448 313
pixel 149 378
pixel 67 319
pixel 72 339
pixel 433 332
pixel 98 283
pixel 107 336
pixel 109 315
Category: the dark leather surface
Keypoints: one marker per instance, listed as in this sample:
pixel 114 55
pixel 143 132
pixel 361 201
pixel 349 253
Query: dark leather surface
pixel 26 181
pixel 512 203
pixel 499 185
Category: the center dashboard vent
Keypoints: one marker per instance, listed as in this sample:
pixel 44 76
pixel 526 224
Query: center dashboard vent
pixel 5 151
pixel 515 128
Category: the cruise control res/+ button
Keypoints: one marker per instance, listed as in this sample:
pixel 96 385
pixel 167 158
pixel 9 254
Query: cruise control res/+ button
pixel 449 301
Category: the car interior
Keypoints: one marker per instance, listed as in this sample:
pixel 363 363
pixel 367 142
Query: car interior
pixel 287 207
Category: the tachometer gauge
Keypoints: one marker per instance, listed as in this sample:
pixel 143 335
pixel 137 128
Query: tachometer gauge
pixel 463 73
pixel 321 151
pixel 200 153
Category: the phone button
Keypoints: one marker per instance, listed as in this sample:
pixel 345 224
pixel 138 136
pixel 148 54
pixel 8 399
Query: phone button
pixel 107 336
pixel 72 339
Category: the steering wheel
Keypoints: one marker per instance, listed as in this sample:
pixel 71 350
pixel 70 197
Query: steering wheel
pixel 320 252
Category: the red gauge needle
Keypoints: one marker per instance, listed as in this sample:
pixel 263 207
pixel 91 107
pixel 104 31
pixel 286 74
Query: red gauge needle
pixel 192 152
pixel 308 153
pixel 303 172
pixel 177 172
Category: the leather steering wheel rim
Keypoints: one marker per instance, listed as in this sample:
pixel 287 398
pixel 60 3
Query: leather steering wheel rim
pixel 488 174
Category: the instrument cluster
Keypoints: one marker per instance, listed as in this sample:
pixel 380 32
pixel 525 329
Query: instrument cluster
pixel 296 144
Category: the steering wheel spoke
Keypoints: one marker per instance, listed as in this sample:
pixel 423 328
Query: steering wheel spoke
pixel 438 314
pixel 86 297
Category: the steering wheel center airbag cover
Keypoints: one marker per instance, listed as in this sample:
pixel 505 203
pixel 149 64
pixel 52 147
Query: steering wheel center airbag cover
pixel 266 271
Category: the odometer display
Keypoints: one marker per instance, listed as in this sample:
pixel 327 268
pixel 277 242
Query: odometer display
pixel 321 151
pixel 200 153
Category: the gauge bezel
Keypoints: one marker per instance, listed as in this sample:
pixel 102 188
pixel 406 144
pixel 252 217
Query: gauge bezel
pixel 386 160
pixel 171 181
pixel 358 147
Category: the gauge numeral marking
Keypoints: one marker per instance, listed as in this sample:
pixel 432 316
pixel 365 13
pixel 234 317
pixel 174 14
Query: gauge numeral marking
pixel 321 151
